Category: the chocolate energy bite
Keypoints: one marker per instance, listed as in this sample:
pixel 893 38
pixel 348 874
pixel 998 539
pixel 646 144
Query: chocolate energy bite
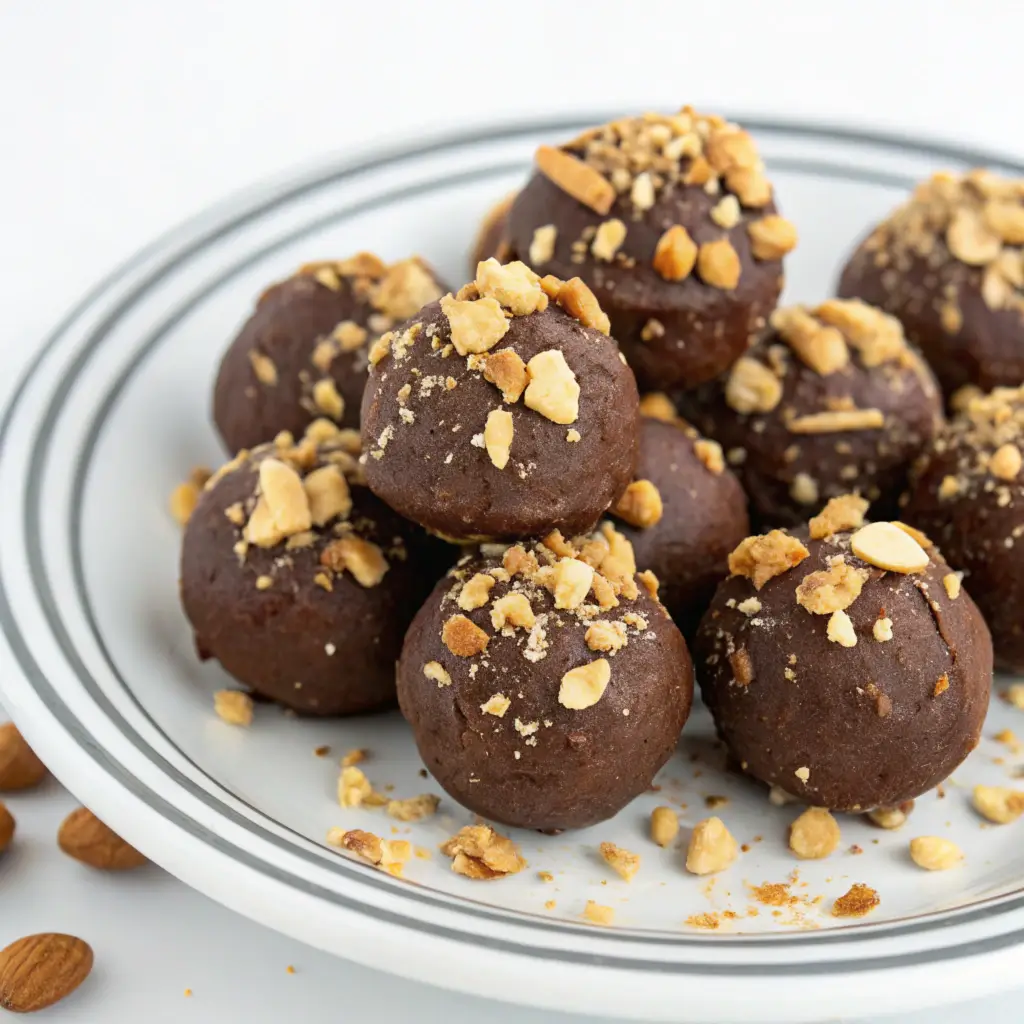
pixel 843 662
pixel 491 237
pixel 683 513
pixel 831 400
pixel 502 412
pixel 302 353
pixel 950 264
pixel 544 682
pixel 967 493
pixel 298 580
pixel 671 222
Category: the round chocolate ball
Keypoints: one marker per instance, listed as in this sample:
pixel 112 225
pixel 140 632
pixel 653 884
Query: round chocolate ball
pixel 546 684
pixel 302 353
pixel 491 237
pixel 844 663
pixel 504 412
pixel 670 221
pixel 830 400
pixel 684 512
pixel 967 494
pixel 949 264
pixel 299 581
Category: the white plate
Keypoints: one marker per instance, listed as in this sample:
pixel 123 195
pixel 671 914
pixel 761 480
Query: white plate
pixel 99 671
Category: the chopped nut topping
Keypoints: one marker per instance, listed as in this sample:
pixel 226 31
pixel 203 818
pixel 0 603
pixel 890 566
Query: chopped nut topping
pixel 710 455
pixel 771 237
pixel 353 787
pixel 498 434
pixel 640 504
pixel 463 637
pixel 328 495
pixel 941 685
pixel 553 390
pixel 404 289
pixel 970 240
pixel 263 367
pixel 820 347
pixel 184 499
pixel 814 835
pixel 497 704
pixel 573 579
pixel 233 707
pixel 282 509
pixel 877 336
pixel 350 336
pixel 843 513
pixel 664 825
pixel 436 671
pixel 517 561
pixel 513 285
pixel 475 592
pixel 998 804
pixel 675 254
pixel 650 582
pixel 365 844
pixel 718 264
pixel 857 902
pixel 935 854
pixel 512 610
pixel 584 686
pixel 841 631
pixel 478 852
pixel 803 774
pixel 542 246
pixel 882 630
pixel 609 237
pixel 606 636
pixel 580 302
pixel 742 667
pixel 415 808
pixel 910 531
pixel 711 848
pixel 477 325
pixel 831 590
pixel 752 387
pixel 837 420
pixel 362 558
pixel 595 913
pixel 886 546
pixel 507 371
pixel 656 405
pixel 1005 462
pixel 764 557
pixel 625 864
pixel 327 399
pixel 576 178
pixel 726 212
pixel 355 756
pixel 951 583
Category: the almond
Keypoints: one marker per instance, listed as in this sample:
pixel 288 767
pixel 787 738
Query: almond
pixel 40 970
pixel 84 837
pixel 19 766
pixel 6 828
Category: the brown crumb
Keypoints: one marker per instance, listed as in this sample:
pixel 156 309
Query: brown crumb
pixel 707 921
pixel 478 852
pixel 859 901
pixel 463 637
pixel 624 863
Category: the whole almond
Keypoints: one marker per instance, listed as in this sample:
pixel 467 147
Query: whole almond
pixel 19 766
pixel 84 837
pixel 6 827
pixel 40 970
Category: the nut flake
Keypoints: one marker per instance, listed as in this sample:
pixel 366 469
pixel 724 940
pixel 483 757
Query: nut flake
pixel 951 583
pixel 1005 462
pixel 507 371
pixel 836 420
pixel 362 558
pixel 415 808
pixel 998 804
pixel 606 636
pixel 463 637
pixel 710 455
pixel 475 592
pixel 832 589
pixel 886 546
pixel 327 399
pixel 640 504
pixel 752 387
pixel 282 509
pixel 542 245
pixel 882 630
pixel 764 557
pixel 596 913
pixel 579 302
pixel 584 686
pixel 576 178
pixel 608 239
pixel 840 514
pixel 263 367
pixel 498 434
pixel 328 495
pixel 675 254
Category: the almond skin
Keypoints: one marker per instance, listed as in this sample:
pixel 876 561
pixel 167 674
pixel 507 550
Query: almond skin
pixel 19 766
pixel 40 970
pixel 84 837
pixel 6 827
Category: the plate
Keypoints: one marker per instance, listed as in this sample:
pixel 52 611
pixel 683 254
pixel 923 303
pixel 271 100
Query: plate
pixel 99 670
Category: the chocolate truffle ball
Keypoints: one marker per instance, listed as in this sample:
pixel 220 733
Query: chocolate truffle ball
pixel 501 414
pixel 299 581
pixel 491 237
pixel 967 494
pixel 949 264
pixel 830 400
pixel 670 221
pixel 684 512
pixel 844 663
pixel 546 685
pixel 302 353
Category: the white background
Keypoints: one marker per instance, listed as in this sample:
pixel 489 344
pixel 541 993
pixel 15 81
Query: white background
pixel 118 119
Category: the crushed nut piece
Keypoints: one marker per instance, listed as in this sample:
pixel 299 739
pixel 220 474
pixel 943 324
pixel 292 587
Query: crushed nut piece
pixel 841 631
pixel 476 592
pixel 837 420
pixel 328 495
pixel 606 636
pixel 579 301
pixel 843 513
pixel 513 285
pixel 726 212
pixel 664 825
pixel 951 583
pixel 595 913
pixel 553 390
pixel 282 509
pixel 507 371
pixel 771 237
pixel 624 863
pixel 882 630
pixel 584 686
pixel 351 757
pixel 233 707
pixel 477 325
pixel 497 704
pixel 675 254
pixel 710 455
pixel 752 387
pixel 998 804
pixel 607 240
pixel 858 901
pixel 831 590
pixel 814 835
pixel 498 434
pixel 436 671
pixel 576 178
pixel 513 610
pixel 327 399
pixel 656 405
pixel 711 848
pixel 764 557
pixel 886 546
pixel 1005 462
pixel 542 246
pixel 640 504
pixel 934 853
pixel 478 852
pixel 362 558
pixel 572 580
pixel 818 346
pixel 463 637
pixel 718 264
pixel 415 808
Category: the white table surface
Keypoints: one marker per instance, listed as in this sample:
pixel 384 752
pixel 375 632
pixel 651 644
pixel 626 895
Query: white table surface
pixel 118 119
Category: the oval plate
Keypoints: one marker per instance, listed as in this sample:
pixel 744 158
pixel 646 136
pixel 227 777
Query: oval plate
pixel 99 671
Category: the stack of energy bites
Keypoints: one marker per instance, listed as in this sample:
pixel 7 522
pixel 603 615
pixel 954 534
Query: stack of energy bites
pixel 535 418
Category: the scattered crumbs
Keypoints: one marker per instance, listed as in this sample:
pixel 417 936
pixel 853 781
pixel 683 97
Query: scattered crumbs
pixel 188 993
pixel 422 852
pixel 713 802
pixel 855 849
pixel 595 913
pixel 773 894
pixel 545 876
pixel 289 969
pixel 708 921
pixel 859 901
pixel 353 757
pixel 321 751
pixel 549 905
